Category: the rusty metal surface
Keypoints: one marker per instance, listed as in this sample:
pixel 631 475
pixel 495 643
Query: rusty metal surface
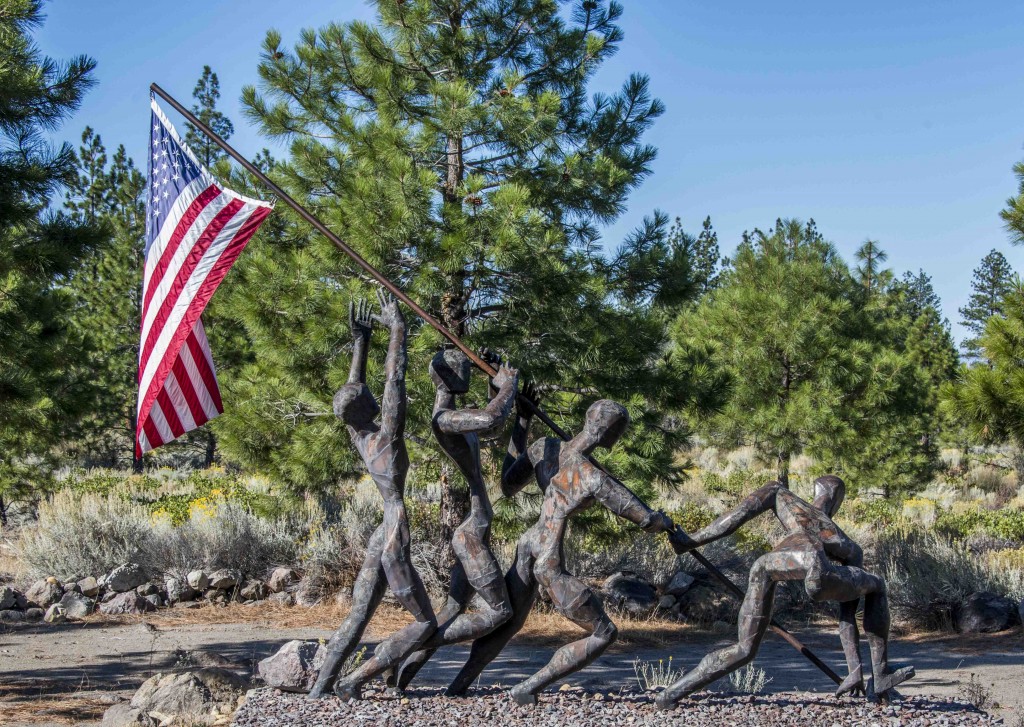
pixel 816 551
pixel 388 561
pixel 570 483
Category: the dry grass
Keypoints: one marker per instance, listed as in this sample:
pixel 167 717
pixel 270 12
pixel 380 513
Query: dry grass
pixel 27 702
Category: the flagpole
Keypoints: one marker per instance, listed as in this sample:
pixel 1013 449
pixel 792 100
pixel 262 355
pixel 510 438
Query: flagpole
pixel 444 331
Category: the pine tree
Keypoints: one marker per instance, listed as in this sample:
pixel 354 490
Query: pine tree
pixel 1013 215
pixel 991 282
pixel 871 257
pixel 108 290
pixel 917 293
pixel 701 252
pixel 455 147
pixel 810 369
pixel 42 383
pixel 88 193
pixel 989 398
pixel 207 94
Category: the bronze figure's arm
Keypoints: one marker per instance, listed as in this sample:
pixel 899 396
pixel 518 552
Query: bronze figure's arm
pixel 517 469
pixel 620 500
pixel 393 404
pixel 474 421
pixel 756 503
pixel 360 322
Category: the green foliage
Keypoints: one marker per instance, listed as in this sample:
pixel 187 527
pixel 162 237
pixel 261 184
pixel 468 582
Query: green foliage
pixel 991 283
pixel 819 361
pixel 692 516
pixel 1007 523
pixel 42 383
pixel 456 148
pixel 1013 214
pixel 207 94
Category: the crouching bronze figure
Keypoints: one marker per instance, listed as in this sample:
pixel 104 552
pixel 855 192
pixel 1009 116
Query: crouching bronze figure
pixel 812 542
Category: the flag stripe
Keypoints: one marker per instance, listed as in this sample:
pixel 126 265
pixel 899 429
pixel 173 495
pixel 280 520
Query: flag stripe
pixel 195 230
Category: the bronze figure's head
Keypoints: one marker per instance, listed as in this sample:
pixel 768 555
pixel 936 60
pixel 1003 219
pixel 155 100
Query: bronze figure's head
pixel 450 369
pixel 355 405
pixel 606 422
pixel 829 492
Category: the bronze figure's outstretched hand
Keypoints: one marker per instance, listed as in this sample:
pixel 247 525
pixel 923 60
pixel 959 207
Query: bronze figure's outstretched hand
pixel 528 400
pixel 360 319
pixel 506 374
pixel 681 542
pixel 390 313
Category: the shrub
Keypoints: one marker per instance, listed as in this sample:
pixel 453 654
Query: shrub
pixel 749 680
pixel 929 576
pixel 651 675
pixel 80 535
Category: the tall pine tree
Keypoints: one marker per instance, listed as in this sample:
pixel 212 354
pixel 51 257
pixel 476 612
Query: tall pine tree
pixel 991 283
pixel 870 271
pixel 207 94
pixel 43 385
pixel 455 146
pixel 1013 214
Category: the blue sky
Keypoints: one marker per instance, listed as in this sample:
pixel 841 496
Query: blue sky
pixel 895 121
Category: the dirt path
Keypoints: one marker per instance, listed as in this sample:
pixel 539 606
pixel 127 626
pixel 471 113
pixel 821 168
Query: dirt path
pixel 70 673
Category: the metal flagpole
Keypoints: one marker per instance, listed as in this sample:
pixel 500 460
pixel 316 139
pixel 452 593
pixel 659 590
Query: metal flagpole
pixel 443 330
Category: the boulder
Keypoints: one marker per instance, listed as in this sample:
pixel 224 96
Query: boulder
pixel 667 601
pixel 89 586
pixel 214 596
pixel 147 589
pixel 10 616
pixel 283 599
pixel 705 604
pixel 631 594
pixel 253 590
pixel 179 590
pixel 8 598
pixel 198 580
pixel 224 579
pixel 34 614
pixel 198 697
pixel 125 715
pixel 294 667
pixel 282 579
pixel 679 584
pixel 55 614
pixel 154 600
pixel 128 602
pixel 76 605
pixel 44 593
pixel 985 612
pixel 125 578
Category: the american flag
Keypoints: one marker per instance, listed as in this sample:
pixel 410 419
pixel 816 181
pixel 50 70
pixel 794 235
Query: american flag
pixel 195 230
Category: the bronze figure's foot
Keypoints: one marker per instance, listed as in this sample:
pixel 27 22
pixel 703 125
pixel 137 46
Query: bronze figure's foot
pixel 346 692
pixel 885 682
pixel 853 684
pixel 665 702
pixel 317 692
pixel 524 697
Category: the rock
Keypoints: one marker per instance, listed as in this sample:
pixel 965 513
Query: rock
pixel 34 614
pixel 179 590
pixel 55 614
pixel 306 595
pixel 89 586
pixel 44 593
pixel 253 590
pixel 629 593
pixel 124 714
pixel 8 598
pixel 10 616
pixel 147 589
pixel 154 600
pixel 193 697
pixel 127 602
pixel 125 578
pixel 283 599
pixel 667 601
pixel 1020 611
pixel 214 596
pixel 985 612
pixel 294 667
pixel 679 584
pixel 281 579
pixel 76 605
pixel 198 580
pixel 704 604
pixel 224 579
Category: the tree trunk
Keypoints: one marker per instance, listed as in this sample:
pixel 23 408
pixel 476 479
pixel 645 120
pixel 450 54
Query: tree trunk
pixel 211 449
pixel 133 424
pixel 1018 463
pixel 3 511
pixel 783 465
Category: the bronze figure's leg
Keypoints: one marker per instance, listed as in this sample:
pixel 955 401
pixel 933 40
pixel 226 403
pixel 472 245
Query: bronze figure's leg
pixel 522 590
pixel 366 596
pixel 850 638
pixel 582 606
pixel 755 617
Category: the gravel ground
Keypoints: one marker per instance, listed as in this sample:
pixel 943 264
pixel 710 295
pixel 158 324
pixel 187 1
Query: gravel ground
pixel 575 707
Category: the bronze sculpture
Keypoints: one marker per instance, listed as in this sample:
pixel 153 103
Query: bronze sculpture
pixel 812 542
pixel 476 569
pixel 570 482
pixel 382 447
